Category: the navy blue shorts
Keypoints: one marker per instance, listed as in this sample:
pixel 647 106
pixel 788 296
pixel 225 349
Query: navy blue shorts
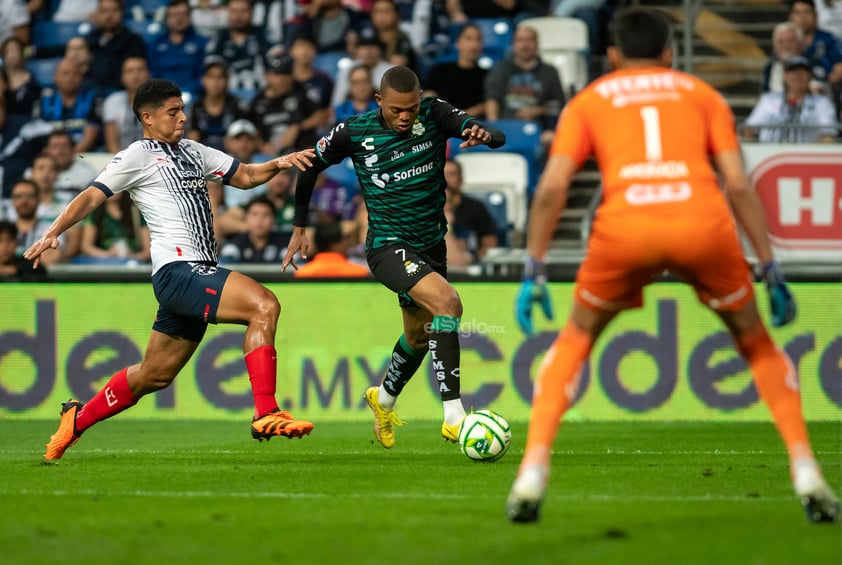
pixel 188 297
pixel 399 267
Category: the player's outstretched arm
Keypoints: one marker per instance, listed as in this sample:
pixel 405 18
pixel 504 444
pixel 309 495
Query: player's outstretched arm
pixel 86 202
pixel 249 175
pixel 482 134
pixel 303 194
pixel 297 242
pixel 749 215
pixel 547 206
pixel 744 201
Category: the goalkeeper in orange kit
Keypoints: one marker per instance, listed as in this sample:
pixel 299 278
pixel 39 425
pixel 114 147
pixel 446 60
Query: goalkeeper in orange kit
pixel 657 135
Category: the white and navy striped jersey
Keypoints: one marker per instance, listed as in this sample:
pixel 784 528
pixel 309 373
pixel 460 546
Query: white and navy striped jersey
pixel 168 184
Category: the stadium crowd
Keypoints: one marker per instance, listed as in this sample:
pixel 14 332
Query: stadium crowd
pixel 265 77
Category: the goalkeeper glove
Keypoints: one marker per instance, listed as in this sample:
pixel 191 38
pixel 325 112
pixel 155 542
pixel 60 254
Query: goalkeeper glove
pixel 780 298
pixel 533 289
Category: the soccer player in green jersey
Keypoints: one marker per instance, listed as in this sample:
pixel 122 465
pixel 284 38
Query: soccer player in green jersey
pixel 398 153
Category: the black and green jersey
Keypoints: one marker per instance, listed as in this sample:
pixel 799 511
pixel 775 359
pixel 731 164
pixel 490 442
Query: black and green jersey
pixel 401 174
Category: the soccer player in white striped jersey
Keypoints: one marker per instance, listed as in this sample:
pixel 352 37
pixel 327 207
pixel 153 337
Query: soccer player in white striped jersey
pixel 166 177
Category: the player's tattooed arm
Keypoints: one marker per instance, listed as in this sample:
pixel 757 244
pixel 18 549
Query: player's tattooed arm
pixel 250 175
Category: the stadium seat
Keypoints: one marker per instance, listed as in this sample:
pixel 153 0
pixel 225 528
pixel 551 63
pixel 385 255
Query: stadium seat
pixel 496 35
pixel 495 202
pixel 522 137
pixel 564 44
pixel 46 33
pixel 343 173
pixel 147 9
pixel 502 172
pixel 330 63
pixel 43 70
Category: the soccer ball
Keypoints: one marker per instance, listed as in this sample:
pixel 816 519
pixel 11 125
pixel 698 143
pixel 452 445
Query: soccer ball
pixel 484 436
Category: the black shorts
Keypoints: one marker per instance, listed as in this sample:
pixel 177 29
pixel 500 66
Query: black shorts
pixel 188 297
pixel 400 267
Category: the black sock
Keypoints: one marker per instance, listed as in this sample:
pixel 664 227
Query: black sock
pixel 404 364
pixel 444 350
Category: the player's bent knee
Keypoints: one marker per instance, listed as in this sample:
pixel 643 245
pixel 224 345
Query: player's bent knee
pixel 451 305
pixel 268 306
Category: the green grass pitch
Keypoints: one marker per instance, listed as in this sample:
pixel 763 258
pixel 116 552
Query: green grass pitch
pixel 204 492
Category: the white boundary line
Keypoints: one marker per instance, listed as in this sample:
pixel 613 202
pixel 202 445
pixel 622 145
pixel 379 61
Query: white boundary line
pixel 388 495
pixel 176 451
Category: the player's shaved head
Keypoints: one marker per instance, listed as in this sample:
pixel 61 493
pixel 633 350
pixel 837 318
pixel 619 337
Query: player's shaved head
pixel 152 94
pixel 400 79
pixel 641 33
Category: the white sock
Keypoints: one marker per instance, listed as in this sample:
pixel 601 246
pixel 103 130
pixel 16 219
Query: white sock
pixel 453 411
pixel 806 476
pixel 385 399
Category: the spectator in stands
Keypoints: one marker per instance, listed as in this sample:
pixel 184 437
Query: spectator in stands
pixel 385 24
pixel 259 243
pixel 462 81
pixel 75 11
pixel 14 20
pixel 468 219
pixel 23 91
pixel 30 227
pixel 420 20
pixel 111 43
pixel 115 233
pixel 242 46
pixel 13 267
pixel 279 109
pixel 279 191
pixel 360 95
pixel 317 86
pixel 51 201
pixel 70 107
pixel 331 259
pixel 178 53
pixel 829 14
pixel 270 15
pixel 334 27
pixel 121 126
pixel 787 40
pixel 21 139
pixel 74 173
pixel 333 201
pixel 800 115
pixel 78 50
pixel 462 10
pixel 242 142
pixel 43 173
pixel 821 48
pixel 368 52
pixel 209 16
pixel 216 109
pixel 522 86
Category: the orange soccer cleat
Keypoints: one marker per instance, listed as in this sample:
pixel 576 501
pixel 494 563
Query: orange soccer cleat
pixel 66 434
pixel 279 423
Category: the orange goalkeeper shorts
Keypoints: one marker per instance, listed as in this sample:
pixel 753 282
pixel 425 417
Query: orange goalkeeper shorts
pixel 703 249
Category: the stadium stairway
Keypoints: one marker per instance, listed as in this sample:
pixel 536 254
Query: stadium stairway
pixel 732 40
